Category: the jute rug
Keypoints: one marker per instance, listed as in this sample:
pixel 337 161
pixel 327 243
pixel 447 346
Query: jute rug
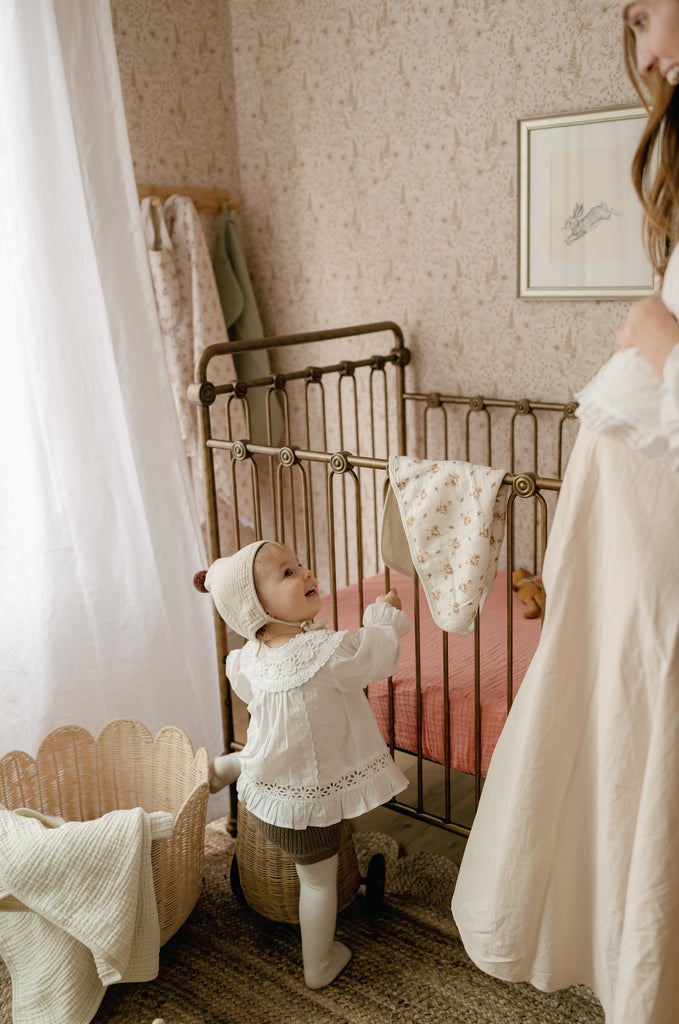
pixel 227 965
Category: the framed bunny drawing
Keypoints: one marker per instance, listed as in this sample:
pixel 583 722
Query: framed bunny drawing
pixel 580 221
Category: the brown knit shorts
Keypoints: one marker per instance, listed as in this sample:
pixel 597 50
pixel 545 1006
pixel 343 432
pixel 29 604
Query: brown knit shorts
pixel 303 845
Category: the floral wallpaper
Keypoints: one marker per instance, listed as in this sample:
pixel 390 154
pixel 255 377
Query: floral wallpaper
pixel 371 147
pixel 176 72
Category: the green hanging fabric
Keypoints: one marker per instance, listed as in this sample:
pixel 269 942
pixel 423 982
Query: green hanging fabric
pixel 243 322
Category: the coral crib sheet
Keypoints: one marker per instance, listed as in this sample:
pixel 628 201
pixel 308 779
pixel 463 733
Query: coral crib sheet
pixel 493 643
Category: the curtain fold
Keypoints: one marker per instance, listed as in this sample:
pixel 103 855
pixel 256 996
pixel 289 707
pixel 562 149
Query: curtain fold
pixel 99 535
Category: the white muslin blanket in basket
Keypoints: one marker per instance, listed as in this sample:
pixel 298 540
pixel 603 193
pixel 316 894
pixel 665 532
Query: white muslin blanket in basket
pixel 446 520
pixel 79 909
pixel 627 398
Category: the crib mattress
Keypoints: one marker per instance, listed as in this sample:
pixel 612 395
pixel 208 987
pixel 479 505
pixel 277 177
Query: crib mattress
pixel 493 655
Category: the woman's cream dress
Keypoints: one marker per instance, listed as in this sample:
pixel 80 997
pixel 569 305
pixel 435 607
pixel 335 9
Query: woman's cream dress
pixel 571 871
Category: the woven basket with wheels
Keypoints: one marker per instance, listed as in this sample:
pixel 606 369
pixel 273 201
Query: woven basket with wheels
pixel 267 878
pixel 79 778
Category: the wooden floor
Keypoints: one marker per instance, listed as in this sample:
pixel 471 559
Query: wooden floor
pixel 413 835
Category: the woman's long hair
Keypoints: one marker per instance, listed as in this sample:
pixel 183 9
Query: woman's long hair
pixel 655 168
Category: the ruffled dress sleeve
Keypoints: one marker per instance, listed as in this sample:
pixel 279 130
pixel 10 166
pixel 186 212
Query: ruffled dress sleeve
pixel 371 653
pixel 240 684
pixel 627 398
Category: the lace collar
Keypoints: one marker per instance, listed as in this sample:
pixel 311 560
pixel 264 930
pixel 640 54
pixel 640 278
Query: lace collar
pixel 283 668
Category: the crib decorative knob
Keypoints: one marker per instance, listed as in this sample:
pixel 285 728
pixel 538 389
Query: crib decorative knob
pixel 524 484
pixel 201 394
pixel 569 410
pixel 339 463
pixel 477 403
pixel 287 456
pixel 400 356
pixel 239 450
pixel 522 407
pixel 433 400
pixel 314 374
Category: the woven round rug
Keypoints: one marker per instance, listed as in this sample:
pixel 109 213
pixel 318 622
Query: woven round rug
pixel 228 965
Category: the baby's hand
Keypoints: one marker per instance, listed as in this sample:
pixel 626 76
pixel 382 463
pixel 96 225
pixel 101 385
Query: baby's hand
pixel 391 598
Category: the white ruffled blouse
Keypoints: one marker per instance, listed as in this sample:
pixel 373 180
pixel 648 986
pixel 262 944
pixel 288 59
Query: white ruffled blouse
pixel 627 398
pixel 314 754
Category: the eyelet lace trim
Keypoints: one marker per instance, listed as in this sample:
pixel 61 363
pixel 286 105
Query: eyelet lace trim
pixel 292 794
pixel 283 668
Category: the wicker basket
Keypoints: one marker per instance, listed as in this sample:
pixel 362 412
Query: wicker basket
pixel 267 878
pixel 78 778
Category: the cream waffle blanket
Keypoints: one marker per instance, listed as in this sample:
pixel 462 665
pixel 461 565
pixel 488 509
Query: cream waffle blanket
pixel 447 520
pixel 80 910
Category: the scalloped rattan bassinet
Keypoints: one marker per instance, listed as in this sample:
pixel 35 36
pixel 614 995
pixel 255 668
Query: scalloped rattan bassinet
pixel 78 778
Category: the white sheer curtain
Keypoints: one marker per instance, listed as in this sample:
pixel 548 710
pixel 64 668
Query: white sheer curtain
pixel 98 537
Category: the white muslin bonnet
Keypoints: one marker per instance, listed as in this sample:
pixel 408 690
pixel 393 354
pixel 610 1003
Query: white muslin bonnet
pixel 231 582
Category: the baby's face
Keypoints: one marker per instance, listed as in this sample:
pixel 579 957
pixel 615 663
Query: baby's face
pixel 285 588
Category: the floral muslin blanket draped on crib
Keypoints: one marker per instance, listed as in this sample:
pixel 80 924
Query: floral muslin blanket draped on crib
pixel 447 520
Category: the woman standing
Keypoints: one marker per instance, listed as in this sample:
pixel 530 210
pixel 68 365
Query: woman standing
pixel 571 872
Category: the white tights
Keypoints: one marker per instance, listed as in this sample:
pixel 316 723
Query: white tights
pixel 323 957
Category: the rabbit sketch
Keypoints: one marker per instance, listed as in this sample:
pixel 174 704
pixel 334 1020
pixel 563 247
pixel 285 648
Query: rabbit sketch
pixel 579 223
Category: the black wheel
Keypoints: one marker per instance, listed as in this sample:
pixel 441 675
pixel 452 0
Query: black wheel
pixel 234 878
pixel 374 883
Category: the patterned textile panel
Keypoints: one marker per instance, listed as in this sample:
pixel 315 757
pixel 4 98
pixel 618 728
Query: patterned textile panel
pixel 493 630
